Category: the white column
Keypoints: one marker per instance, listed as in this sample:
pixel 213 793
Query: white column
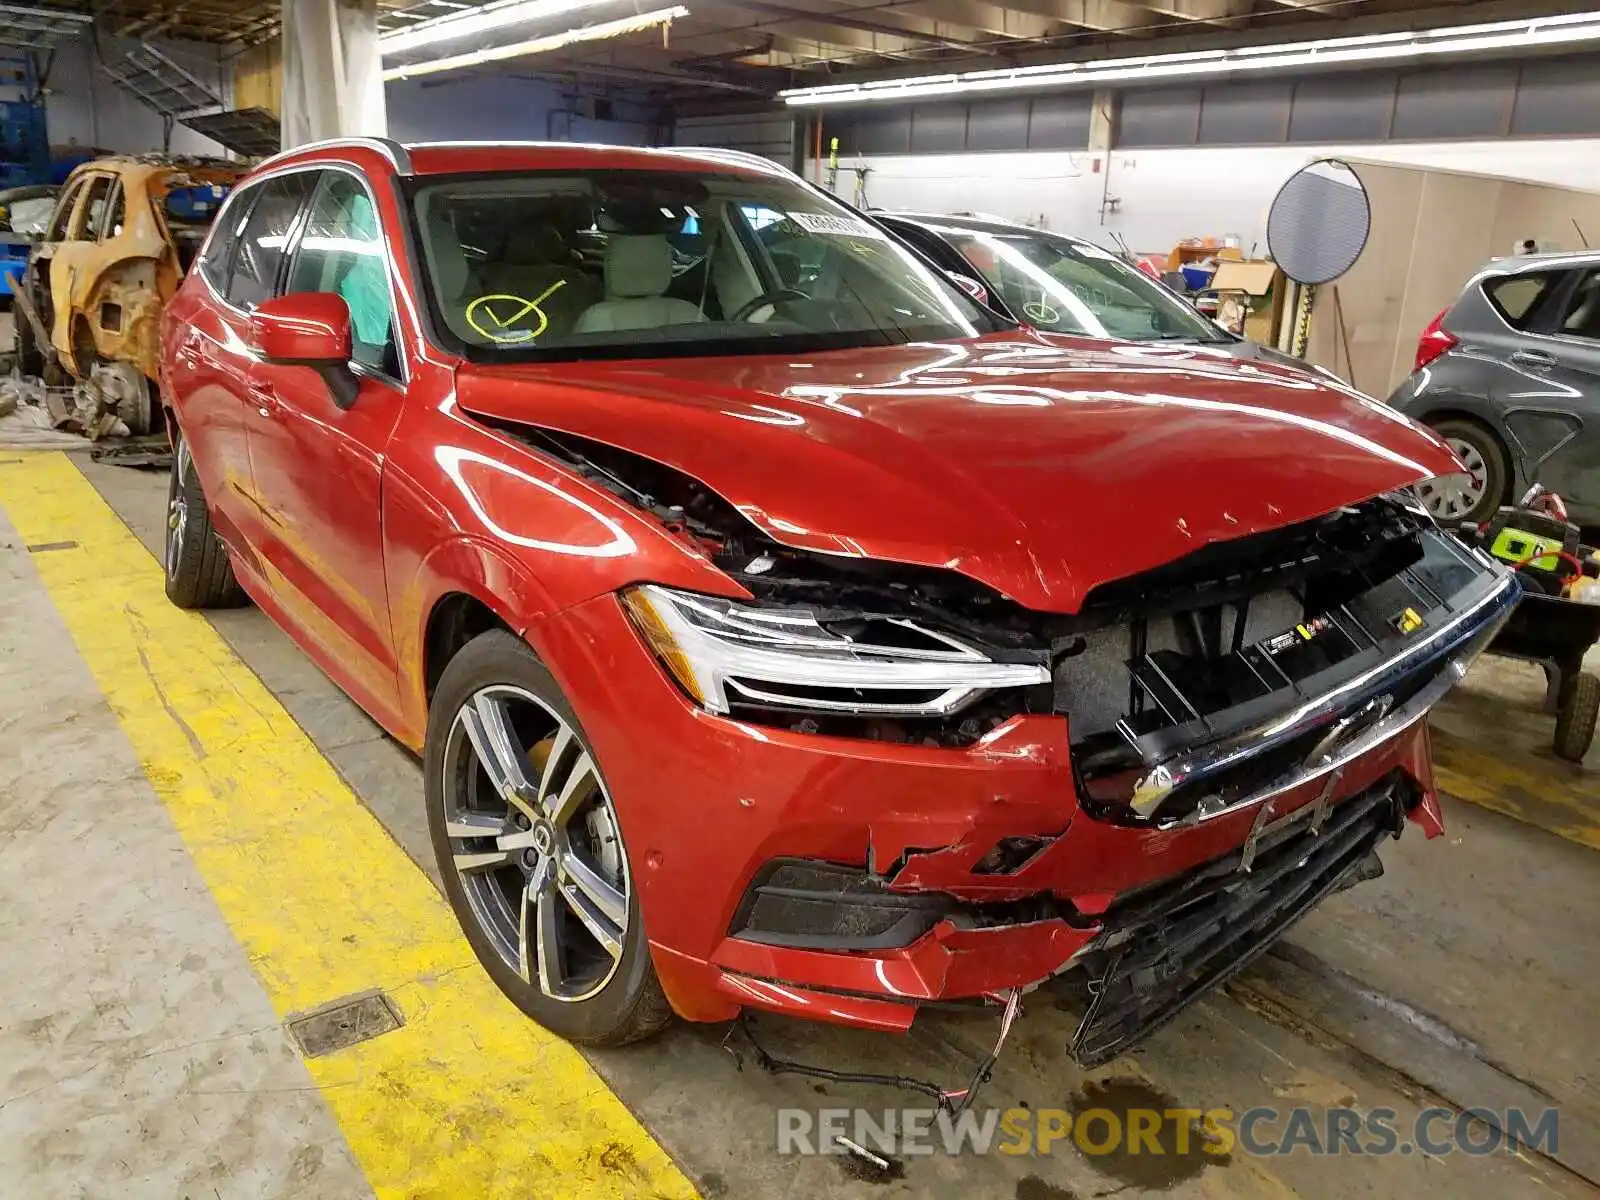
pixel 332 74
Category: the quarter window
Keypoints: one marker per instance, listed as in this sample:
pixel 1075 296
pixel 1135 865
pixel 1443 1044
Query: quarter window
pixel 342 252
pixel 264 239
pixel 116 216
pixel 1517 297
pixel 94 209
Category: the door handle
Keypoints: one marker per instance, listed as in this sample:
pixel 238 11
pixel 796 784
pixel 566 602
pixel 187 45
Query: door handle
pixel 264 396
pixel 1536 360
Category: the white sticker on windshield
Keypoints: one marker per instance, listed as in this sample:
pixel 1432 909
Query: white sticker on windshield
pixel 834 225
pixel 1090 250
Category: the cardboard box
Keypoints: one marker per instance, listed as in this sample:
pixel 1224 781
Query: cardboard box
pixel 1252 291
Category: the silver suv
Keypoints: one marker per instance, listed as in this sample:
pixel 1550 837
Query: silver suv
pixel 1510 376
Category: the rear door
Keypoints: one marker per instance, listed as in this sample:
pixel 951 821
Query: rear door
pixel 317 467
pixel 70 260
pixel 44 252
pixel 1556 410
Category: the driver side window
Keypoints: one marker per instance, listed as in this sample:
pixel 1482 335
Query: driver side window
pixel 342 251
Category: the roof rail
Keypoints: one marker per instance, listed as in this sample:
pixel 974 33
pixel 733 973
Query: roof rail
pixel 741 157
pixel 388 147
pixel 745 157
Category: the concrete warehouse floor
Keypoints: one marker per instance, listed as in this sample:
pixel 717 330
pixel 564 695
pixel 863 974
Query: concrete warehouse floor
pixel 186 858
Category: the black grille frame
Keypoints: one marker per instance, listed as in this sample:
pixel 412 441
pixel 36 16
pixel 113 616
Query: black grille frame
pixel 1164 946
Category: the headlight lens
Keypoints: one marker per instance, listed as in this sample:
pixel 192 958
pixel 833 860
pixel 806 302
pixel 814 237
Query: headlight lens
pixel 725 653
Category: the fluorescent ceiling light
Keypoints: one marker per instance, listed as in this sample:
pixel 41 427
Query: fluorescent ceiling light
pixel 1564 30
pixel 483 19
pixel 541 45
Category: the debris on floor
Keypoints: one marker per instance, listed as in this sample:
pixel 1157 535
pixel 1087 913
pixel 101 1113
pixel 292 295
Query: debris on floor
pixel 151 451
pixel 33 413
pixel 25 422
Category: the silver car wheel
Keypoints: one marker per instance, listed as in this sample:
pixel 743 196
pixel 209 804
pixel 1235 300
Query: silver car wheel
pixel 535 842
pixel 1452 497
pixel 178 507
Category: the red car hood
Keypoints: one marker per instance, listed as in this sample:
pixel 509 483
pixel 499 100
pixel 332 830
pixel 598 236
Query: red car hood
pixel 1040 465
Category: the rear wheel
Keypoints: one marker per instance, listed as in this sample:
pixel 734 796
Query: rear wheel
pixel 1475 494
pixel 30 358
pixel 1580 709
pixel 531 850
pixel 198 572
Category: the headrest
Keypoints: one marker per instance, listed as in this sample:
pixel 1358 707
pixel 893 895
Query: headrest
pixel 637 265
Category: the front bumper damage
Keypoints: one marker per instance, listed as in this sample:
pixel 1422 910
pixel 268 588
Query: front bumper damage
pixel 854 881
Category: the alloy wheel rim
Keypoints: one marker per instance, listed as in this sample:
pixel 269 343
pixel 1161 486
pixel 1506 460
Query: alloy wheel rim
pixel 177 507
pixel 1452 497
pixel 535 843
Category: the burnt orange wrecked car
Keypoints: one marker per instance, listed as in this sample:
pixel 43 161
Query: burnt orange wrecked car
pixel 122 235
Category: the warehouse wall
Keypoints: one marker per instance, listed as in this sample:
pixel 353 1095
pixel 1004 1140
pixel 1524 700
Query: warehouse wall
pixel 86 107
pixel 769 134
pixel 511 108
pixel 1204 159
pixel 1167 194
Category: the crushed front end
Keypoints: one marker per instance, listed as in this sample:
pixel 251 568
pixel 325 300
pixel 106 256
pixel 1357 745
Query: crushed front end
pixel 876 787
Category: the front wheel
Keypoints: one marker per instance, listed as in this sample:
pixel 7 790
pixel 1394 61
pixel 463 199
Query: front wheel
pixel 531 851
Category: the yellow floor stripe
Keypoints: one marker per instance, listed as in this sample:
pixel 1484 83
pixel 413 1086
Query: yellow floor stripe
pixel 1534 792
pixel 469 1099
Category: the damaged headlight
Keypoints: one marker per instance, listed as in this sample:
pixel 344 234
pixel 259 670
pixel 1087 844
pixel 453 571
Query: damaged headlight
pixel 726 654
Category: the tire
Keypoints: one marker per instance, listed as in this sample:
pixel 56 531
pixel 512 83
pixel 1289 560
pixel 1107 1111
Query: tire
pixel 1473 442
pixel 596 990
pixel 1576 720
pixel 198 572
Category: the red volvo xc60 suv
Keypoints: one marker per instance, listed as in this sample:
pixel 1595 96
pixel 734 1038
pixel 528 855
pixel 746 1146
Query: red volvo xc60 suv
pixel 778 626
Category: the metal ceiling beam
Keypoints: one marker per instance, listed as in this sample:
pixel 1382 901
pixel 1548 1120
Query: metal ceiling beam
pixel 994 20
pixel 764 47
pixel 786 14
pixel 662 76
pixel 808 42
pixel 1215 12
pixel 1105 16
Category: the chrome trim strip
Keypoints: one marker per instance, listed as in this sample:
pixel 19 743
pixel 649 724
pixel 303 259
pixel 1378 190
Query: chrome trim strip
pixel 1160 782
pixel 399 157
pixel 1397 722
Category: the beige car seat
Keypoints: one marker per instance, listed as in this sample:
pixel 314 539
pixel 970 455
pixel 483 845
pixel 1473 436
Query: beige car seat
pixel 638 270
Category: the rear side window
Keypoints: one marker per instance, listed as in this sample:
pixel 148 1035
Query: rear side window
pixel 1582 317
pixel 263 241
pixel 218 256
pixel 1518 298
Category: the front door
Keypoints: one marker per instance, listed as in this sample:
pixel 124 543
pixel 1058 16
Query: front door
pixel 317 468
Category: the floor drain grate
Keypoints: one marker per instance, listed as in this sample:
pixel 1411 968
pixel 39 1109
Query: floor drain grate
pixel 46 547
pixel 342 1023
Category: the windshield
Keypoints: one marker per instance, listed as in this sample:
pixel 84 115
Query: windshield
pixel 1067 286
pixel 640 263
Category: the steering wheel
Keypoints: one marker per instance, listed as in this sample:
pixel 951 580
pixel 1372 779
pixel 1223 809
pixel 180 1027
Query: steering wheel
pixel 776 296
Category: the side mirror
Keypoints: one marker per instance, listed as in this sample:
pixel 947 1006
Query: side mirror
pixel 969 285
pixel 307 329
